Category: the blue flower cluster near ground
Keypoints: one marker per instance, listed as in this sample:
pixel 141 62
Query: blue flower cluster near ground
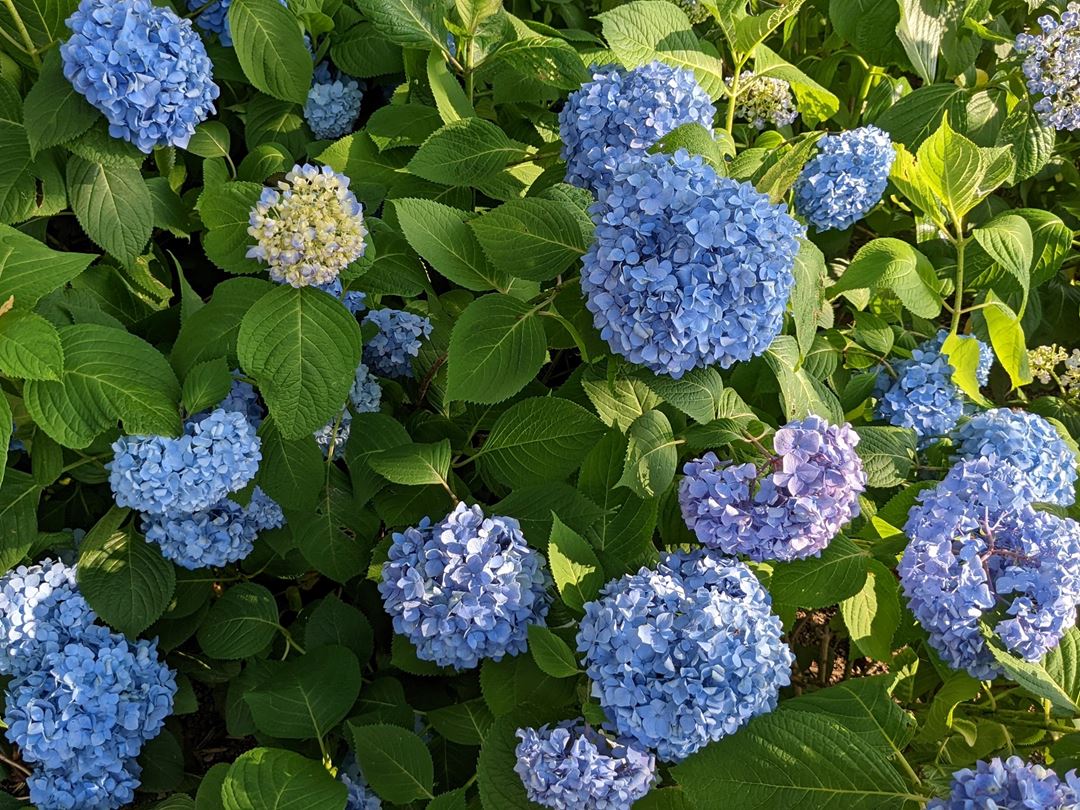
pixel 1052 68
pixel 389 353
pixel 1010 784
pixel 465 588
pixel 845 179
pixel 688 269
pixel 360 796
pixel 143 67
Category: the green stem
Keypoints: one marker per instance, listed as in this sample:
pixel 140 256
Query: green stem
pixel 469 73
pixel 733 98
pixel 20 26
pixel 958 297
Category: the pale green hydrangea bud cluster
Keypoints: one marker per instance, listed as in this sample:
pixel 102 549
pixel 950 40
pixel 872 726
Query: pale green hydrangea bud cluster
pixel 1053 365
pixel 764 100
pixel 309 228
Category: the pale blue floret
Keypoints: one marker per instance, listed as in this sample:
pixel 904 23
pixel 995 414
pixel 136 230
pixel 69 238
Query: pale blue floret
pixel 845 179
pixel 465 588
pixel 365 394
pixel 1052 68
pixel 1010 784
pixel 360 797
pixel 143 67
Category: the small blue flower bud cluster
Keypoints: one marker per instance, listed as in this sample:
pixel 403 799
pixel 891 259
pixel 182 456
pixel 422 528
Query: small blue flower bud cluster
pixel 1052 68
pixel 1029 443
pixel 465 588
pixel 684 654
pixel 1010 784
pixel 365 394
pixel 845 179
pixel 618 115
pixel 360 796
pixel 333 102
pixel 978 550
pixel 572 766
pixel 789 508
pixel 334 435
pixel 920 393
pixel 213 17
pixel 688 269
pixel 390 352
pixel 764 100
pixel 309 228
pixel 83 700
pixel 143 67
pixel 355 301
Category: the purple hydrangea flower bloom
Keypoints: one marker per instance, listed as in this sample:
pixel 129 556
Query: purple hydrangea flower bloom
pixel 365 394
pixel 790 507
pixel 688 269
pixel 398 340
pixel 143 67
pixel 1052 68
pixel 1010 784
pixel 845 179
pixel 618 115
pixel 684 654
pixel 333 102
pixel 572 767
pixel 1029 443
pixel 978 550
pixel 465 588
pixel 82 717
pixel 361 797
pixel 41 610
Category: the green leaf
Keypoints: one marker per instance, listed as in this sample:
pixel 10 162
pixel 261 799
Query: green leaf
pixel 210 139
pixel 800 393
pixel 450 100
pixel 441 236
pixel 496 348
pixel 534 238
pixel 618 399
pixel 546 60
pixel 462 723
pixel 397 125
pixel 895 265
pixel 241 623
pixel 43 20
pixel 1007 338
pixel 30 347
pixel 1062 664
pixel 814 100
pixel 1035 677
pixel 873 614
pixel 464 152
pixel 413 463
pixel 651 455
pixel 270 48
pixel 362 53
pixel 574 566
pixel 808 295
pixel 538 440
pixel 551 653
pixel 125 579
pixel 1009 242
pixel 225 210
pixel 54 112
pixel 415 23
pixel 887 454
pixel 335 537
pixel 714 146
pixel 302 347
pixel 308 696
pixel 953 167
pixel 697 393
pixel 818 582
pixel 1030 141
pixel 113 205
pixel 963 354
pixel 914 117
pixel 211 331
pixel 921 30
pixel 292 470
pixel 534 504
pixel 19 498
pixel 395 762
pixel 206 385
pixel 865 707
pixel 29 270
pixel 333 622
pixel 751 30
pixel 268 777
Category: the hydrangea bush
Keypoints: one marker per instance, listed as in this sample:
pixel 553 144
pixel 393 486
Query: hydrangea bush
pixel 510 404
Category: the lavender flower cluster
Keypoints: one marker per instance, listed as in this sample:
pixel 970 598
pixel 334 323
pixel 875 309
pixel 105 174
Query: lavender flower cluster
pixel 1052 68
pixel 688 269
pixel 790 507
pixel 979 551
pixel 572 766
pixel 465 588
pixel 845 179
pixel 143 67
pixel 83 700
pixel 389 353
pixel 1009 784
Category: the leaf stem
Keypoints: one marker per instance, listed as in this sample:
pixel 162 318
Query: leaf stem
pixel 733 97
pixel 20 26
pixel 958 296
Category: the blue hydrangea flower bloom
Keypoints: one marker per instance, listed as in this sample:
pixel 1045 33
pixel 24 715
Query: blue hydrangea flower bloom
pixel 922 395
pixel 790 507
pixel 465 588
pixel 83 716
pixel 1052 68
pixel 41 610
pixel 355 301
pixel 618 115
pixel 979 550
pixel 335 433
pixel 684 654
pixel 390 352
pixel 244 399
pixel 143 67
pixel 365 394
pixel 361 797
pixel 309 228
pixel 845 179
pixel 687 269
pixel 572 767
pixel 217 454
pixel 223 534
pixel 1010 784
pixel 334 288
pixel 1029 443
pixel 333 102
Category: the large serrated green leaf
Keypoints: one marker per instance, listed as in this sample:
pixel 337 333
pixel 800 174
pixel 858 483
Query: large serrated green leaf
pixel 269 44
pixel 241 623
pixel 534 238
pixel 441 236
pixel 395 762
pixel 464 152
pixel 30 347
pixel 54 112
pixel 651 455
pixel 271 778
pixel 113 205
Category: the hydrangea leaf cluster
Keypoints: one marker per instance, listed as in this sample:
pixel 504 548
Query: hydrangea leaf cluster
pixel 685 653
pixel 688 269
pixel 790 507
pixel 389 353
pixel 333 102
pixel 1030 444
pixel 621 113
pixel 1052 68
pixel 143 67
pixel 845 179
pixel 764 100
pixel 309 228
pixel 572 766
pixel 979 551
pixel 1009 784
pixel 465 588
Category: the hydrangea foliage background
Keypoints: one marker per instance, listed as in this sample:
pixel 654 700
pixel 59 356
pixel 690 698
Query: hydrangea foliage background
pixel 503 404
